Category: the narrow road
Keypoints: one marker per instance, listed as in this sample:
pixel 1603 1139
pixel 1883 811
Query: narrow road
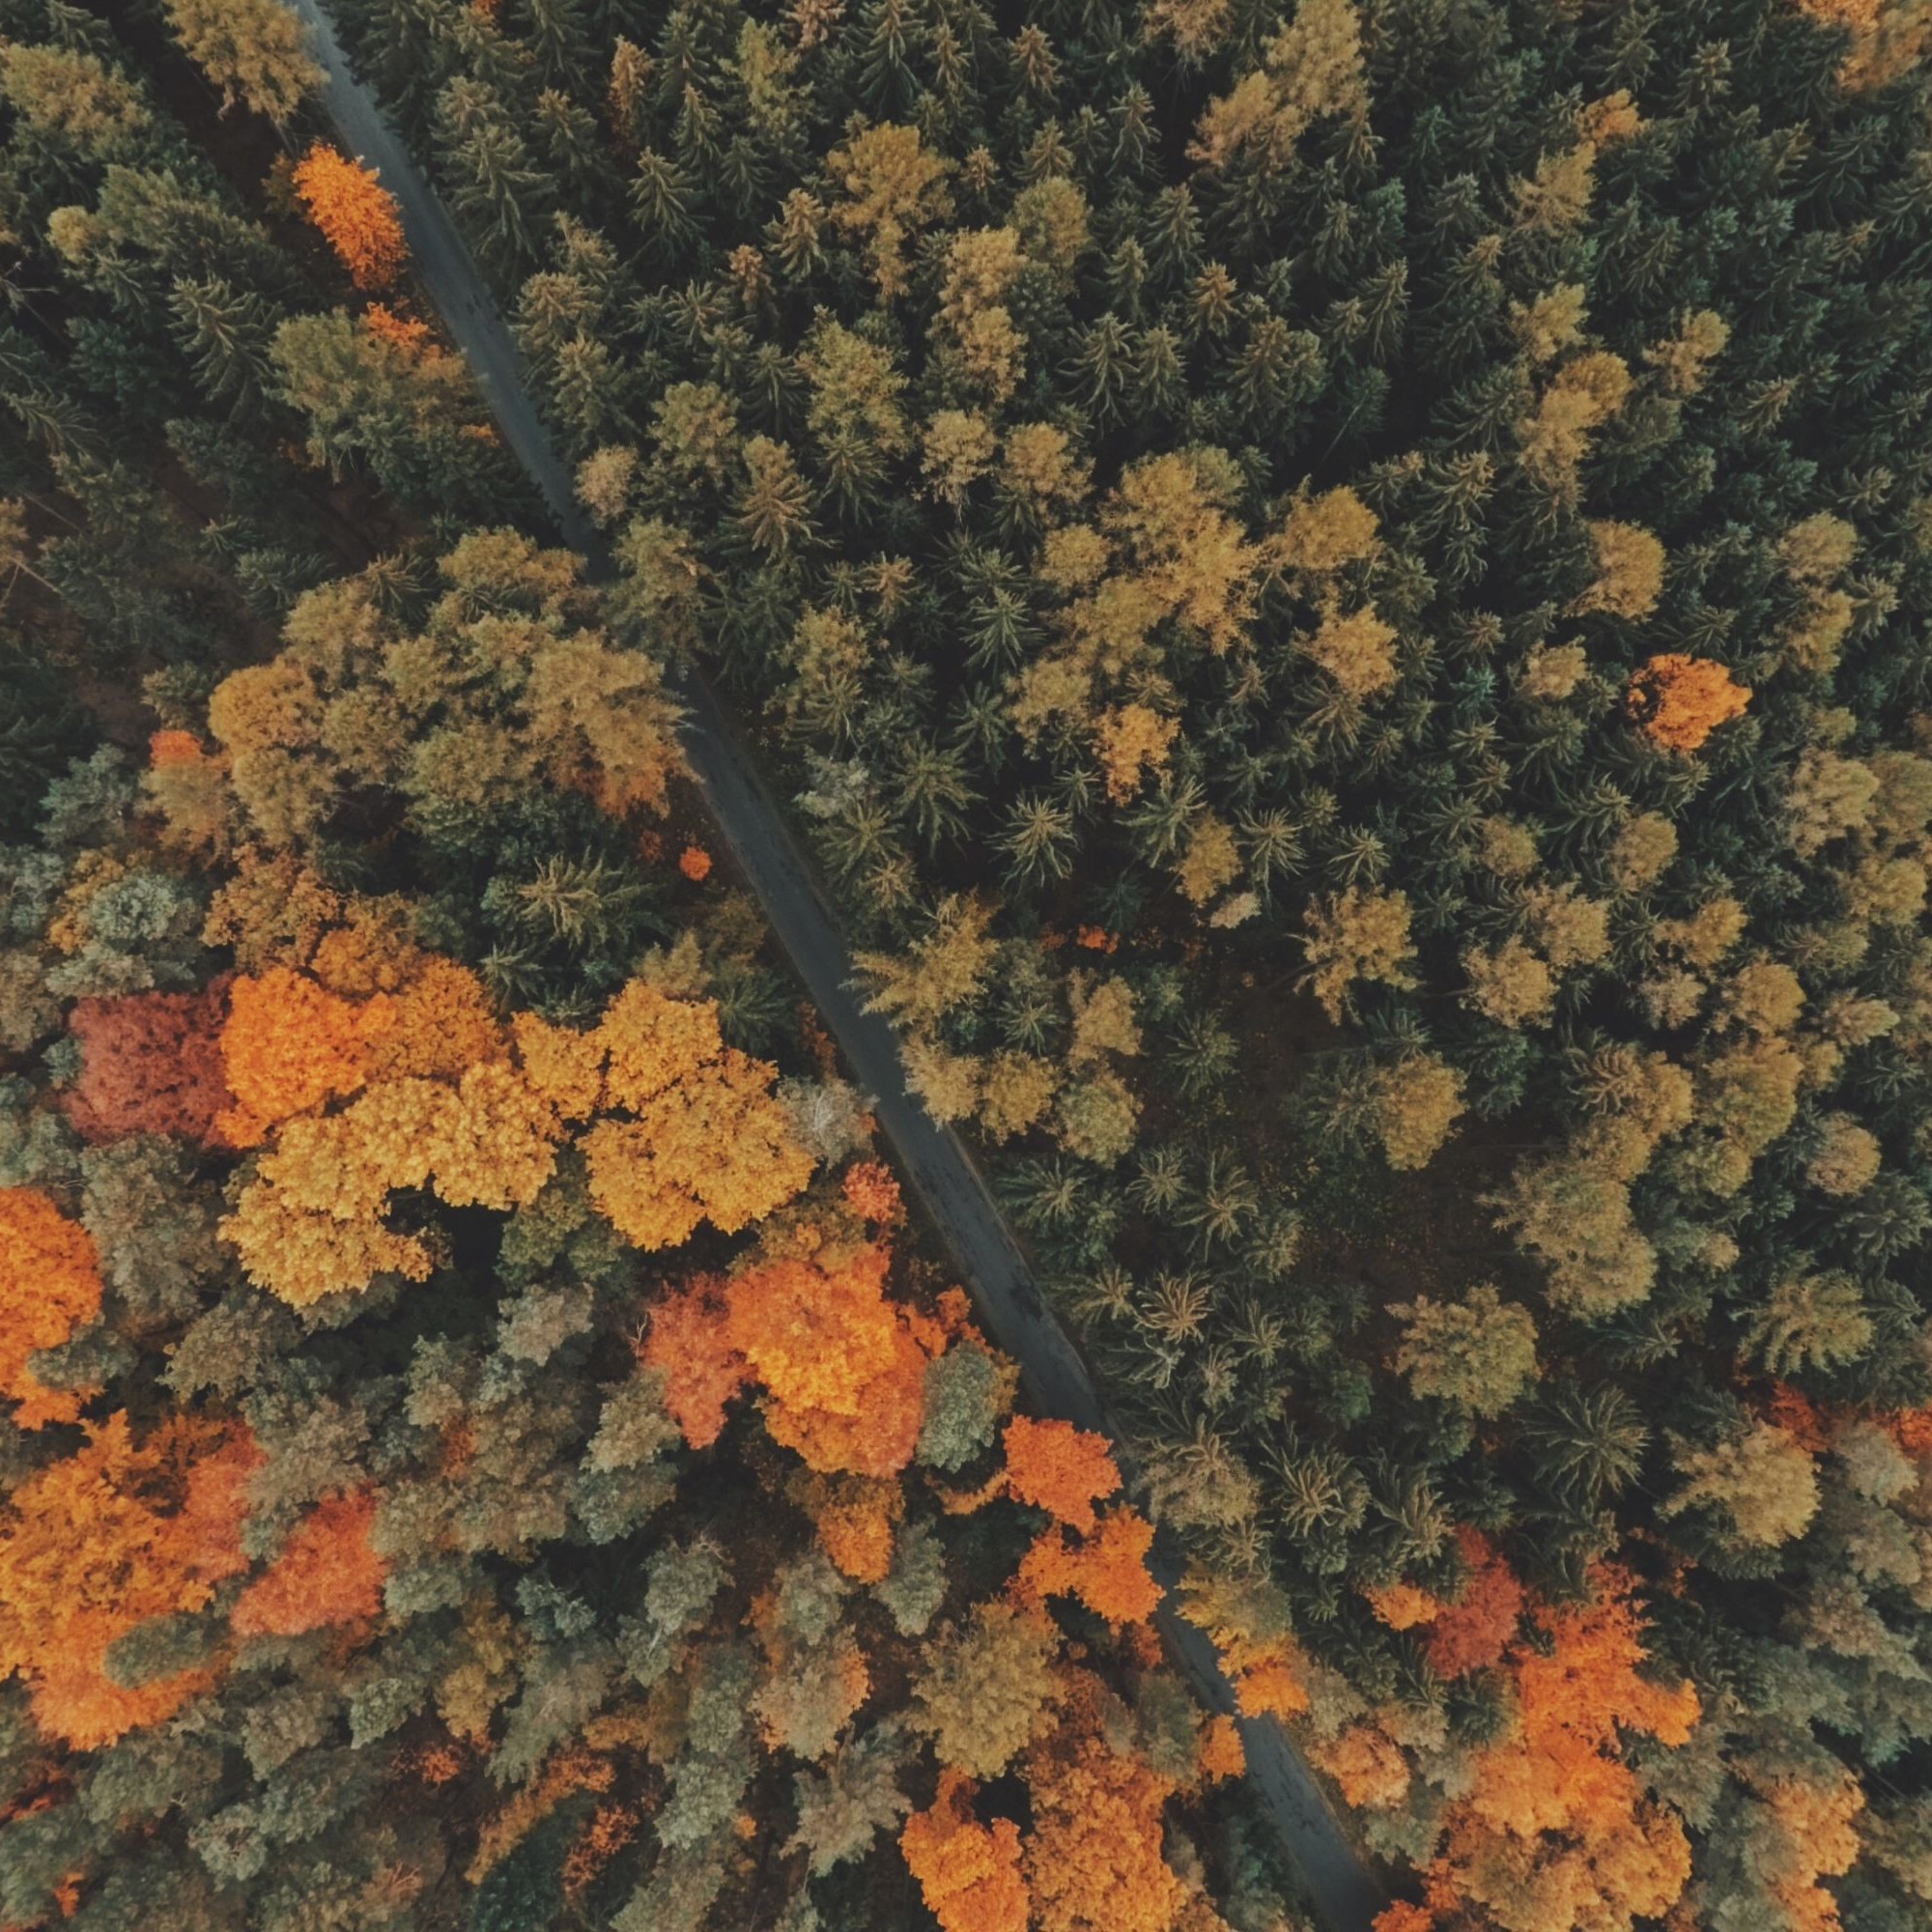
pixel 1344 1893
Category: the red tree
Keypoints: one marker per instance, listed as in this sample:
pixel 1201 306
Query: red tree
pixel 1473 1632
pixel 151 1063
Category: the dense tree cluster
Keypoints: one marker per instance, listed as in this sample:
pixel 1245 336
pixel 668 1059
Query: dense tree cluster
pixel 1339 585
pixel 174 336
pixel 1340 588
pixel 465 1466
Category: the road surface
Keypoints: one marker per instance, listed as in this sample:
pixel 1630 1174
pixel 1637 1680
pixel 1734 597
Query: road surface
pixel 1344 1893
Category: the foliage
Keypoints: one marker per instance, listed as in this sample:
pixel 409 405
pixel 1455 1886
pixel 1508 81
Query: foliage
pixel 1338 589
pixel 358 216
pixel 387 1579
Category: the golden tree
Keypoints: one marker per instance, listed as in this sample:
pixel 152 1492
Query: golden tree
pixel 1680 700
pixel 358 216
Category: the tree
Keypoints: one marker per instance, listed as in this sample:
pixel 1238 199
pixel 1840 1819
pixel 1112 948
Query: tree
pixel 1095 1857
pixel 328 1572
pixel 1060 1469
pixel 1556 1832
pixel 968 1872
pixel 75 100
pixel 1761 1479
pixel 1107 1570
pixel 1417 1102
pixel 409 411
pixel 358 217
pixel 53 1287
pixel 254 50
pixel 702 1137
pixel 288 1044
pixel 987 1690
pixel 1479 1352
pixel 843 1371
pixel 891 188
pixel 843 1806
pixel 97 1544
pixel 1357 935
pixel 1680 700
pixel 1473 1631
pixel 151 1063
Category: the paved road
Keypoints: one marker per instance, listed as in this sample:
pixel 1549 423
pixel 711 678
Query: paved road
pixel 938 1164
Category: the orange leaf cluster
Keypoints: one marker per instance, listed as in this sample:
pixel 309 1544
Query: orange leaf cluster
pixel 564 1773
pixel 288 1046
pixel 854 1517
pixel 49 1286
pixel 1222 1753
pixel 610 1828
pixel 1912 1430
pixel 446 1096
pixel 842 1368
pixel 93 1546
pixel 1402 1606
pixel 358 216
pixel 872 1193
pixel 1060 1469
pixel 1815 1837
pixel 1368 1765
pixel 706 1141
pixel 695 862
pixel 408 332
pixel 1270 1688
pixel 1556 1832
pixel 1095 1857
pixel 441 1025
pixel 1805 1421
pixel 1259 1658
pixel 969 1872
pixel 1405 1916
pixel 1680 700
pixel 1107 1570
pixel 174 748
pixel 328 1573
pixel 702 1372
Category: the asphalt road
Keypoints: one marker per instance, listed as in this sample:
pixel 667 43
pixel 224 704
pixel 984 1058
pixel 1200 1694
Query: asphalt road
pixel 1344 1893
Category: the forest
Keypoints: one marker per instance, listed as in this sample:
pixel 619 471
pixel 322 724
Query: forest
pixel 1339 593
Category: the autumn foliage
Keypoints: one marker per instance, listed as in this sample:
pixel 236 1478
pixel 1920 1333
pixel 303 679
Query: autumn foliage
pixel 1094 1857
pixel 969 1872
pixel 288 1045
pixel 693 1134
pixel 1059 1468
pixel 1106 1567
pixel 841 1366
pixel 93 1546
pixel 441 1094
pixel 1556 1832
pixel 1474 1630
pixel 358 216
pixel 328 1572
pixel 1680 700
pixel 151 1063
pixel 49 1286
pixel 856 1518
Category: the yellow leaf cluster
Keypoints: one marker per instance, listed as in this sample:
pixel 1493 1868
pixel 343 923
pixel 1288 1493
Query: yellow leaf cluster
pixel 446 1098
